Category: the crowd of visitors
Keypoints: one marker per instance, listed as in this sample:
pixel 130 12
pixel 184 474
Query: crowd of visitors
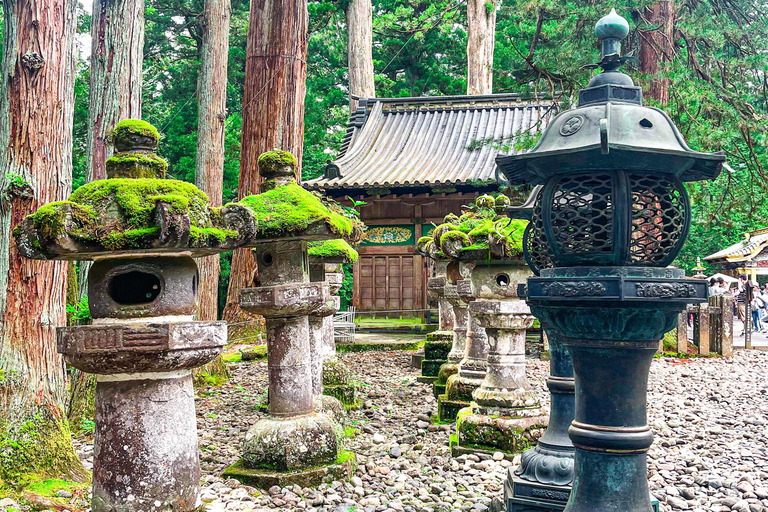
pixel 758 300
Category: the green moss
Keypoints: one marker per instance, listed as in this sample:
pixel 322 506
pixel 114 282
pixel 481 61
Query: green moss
pixel 137 198
pixel 49 487
pixel 275 159
pixel 37 448
pixel 350 432
pixel 141 238
pixel 333 249
pixel 204 237
pixel 232 357
pixel 290 209
pixel 458 236
pixel 128 127
pixel 137 165
pixel 49 218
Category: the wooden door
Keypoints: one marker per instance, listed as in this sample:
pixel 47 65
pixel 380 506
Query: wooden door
pixel 389 283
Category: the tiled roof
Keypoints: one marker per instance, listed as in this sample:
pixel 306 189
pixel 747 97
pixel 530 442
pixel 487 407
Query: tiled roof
pixel 744 248
pixel 432 141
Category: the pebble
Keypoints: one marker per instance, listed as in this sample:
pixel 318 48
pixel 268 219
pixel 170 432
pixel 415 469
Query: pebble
pixel 708 416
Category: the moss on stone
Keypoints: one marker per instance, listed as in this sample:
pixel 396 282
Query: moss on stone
pixel 136 165
pixel 290 209
pixel 272 160
pixel 128 127
pixel 456 236
pixel 137 198
pixel 130 238
pixel 49 218
pixel 205 237
pixel 332 249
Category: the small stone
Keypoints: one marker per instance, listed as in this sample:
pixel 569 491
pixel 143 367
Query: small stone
pixel 378 438
pixel 498 456
pixel 677 503
pixel 8 503
pixel 63 494
pixel 395 451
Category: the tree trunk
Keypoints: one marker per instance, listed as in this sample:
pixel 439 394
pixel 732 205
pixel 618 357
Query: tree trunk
pixel 481 39
pixel 360 51
pixel 657 47
pixel 273 108
pixel 212 115
pixel 117 54
pixel 209 164
pixel 36 114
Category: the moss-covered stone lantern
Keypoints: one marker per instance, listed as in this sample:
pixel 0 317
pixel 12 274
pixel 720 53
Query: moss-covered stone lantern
pixel 293 444
pixel 479 243
pixel 325 260
pixel 612 214
pixel 142 235
pixel 440 342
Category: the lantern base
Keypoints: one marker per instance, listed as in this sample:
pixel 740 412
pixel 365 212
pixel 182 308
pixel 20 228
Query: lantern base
pixel 447 410
pixel 526 496
pixel 508 431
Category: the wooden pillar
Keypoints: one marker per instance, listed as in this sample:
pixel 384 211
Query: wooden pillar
pixel 726 320
pixel 682 332
pixel 703 329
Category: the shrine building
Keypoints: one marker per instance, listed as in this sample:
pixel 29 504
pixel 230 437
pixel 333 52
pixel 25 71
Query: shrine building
pixel 413 161
pixel 749 256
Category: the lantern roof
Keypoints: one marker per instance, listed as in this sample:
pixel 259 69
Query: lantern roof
pixel 611 130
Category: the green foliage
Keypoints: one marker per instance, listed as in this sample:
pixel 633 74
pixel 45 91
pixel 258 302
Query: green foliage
pixel 345 292
pixel 16 180
pixel 87 426
pixel 81 312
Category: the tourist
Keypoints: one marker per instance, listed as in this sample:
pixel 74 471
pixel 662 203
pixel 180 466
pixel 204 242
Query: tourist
pixel 758 305
pixel 714 287
pixel 740 301
pixel 724 286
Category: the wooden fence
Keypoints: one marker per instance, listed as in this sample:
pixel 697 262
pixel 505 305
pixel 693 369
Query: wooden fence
pixel 712 327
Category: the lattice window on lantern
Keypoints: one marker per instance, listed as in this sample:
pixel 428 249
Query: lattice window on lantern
pixel 659 210
pixel 581 218
pixel 535 242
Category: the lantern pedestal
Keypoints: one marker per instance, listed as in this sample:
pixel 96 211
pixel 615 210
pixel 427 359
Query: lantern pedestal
pixel 337 379
pixel 438 343
pixel 504 415
pixel 542 482
pixel 326 404
pixel 459 344
pixel 294 444
pixel 610 319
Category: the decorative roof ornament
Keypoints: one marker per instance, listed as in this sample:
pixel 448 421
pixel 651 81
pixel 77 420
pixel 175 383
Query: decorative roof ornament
pixel 611 130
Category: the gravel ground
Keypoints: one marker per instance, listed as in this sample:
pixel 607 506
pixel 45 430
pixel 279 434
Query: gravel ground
pixel 709 453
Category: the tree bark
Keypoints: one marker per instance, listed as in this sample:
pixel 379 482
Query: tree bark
pixel 273 108
pixel 36 114
pixel 360 51
pixel 657 47
pixel 481 40
pixel 212 115
pixel 117 54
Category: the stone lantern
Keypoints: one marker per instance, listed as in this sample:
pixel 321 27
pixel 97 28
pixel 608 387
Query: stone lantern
pixel 142 232
pixel 439 342
pixel 293 444
pixel 465 242
pixel 612 214
pixel 325 259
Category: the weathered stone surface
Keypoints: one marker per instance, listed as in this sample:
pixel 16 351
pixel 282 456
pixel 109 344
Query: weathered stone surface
pixel 130 348
pixel 506 433
pixel 142 287
pixel 341 470
pixel 289 444
pixel 145 453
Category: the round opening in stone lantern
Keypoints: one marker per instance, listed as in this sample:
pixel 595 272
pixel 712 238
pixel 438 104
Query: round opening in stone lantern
pixel 142 233
pixel 611 214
